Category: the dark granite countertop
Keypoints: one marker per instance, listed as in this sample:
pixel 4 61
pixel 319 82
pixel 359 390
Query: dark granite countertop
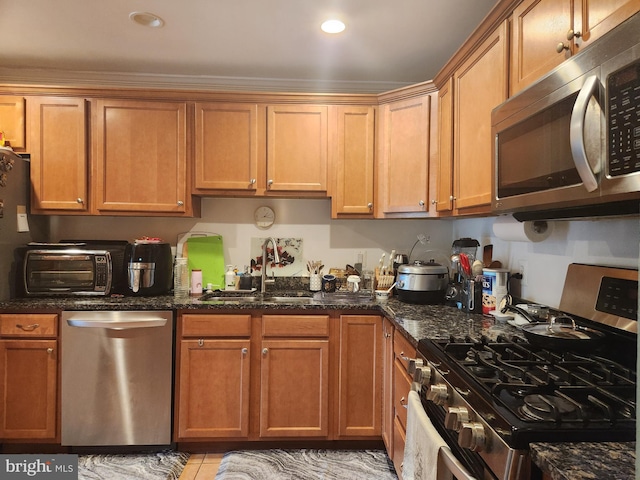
pixel 562 461
pixel 586 461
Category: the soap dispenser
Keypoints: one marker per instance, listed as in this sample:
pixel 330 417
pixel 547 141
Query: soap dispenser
pixel 230 278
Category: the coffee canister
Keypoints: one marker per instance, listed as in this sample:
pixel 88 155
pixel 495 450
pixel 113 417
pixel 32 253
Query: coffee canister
pixel 494 287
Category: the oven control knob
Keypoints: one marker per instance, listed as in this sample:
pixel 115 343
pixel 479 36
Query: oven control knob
pixel 414 364
pixel 455 417
pixel 438 393
pixel 422 375
pixel 472 436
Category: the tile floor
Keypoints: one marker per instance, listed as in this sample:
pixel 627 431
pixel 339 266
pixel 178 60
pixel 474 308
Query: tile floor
pixel 202 466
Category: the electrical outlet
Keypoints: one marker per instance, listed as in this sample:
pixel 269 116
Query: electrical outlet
pixel 522 268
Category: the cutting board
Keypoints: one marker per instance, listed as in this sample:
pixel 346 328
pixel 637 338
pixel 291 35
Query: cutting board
pixel 206 253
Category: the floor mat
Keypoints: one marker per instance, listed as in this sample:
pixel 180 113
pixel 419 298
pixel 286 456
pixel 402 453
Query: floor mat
pixel 153 466
pixel 306 464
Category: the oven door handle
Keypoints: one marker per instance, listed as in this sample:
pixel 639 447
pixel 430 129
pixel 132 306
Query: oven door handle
pixel 453 464
pixel 576 133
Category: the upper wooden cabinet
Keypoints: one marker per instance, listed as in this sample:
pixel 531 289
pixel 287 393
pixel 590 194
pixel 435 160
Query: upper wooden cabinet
pixel 140 158
pixel 226 146
pixel 546 32
pixel 297 148
pixel 12 121
pixel 403 176
pixel 353 161
pixel 479 85
pixel 444 182
pixel 59 161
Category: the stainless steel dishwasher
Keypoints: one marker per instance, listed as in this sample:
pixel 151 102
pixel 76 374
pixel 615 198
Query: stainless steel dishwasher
pixel 116 377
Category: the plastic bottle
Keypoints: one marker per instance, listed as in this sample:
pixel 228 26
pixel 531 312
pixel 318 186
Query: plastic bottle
pixel 230 278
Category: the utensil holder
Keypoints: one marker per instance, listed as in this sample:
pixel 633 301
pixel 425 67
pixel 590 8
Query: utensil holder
pixel 315 282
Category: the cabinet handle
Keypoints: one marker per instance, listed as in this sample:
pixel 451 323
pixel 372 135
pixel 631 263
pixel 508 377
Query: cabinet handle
pixel 403 402
pixel 571 35
pixel 269 183
pixel 49 350
pixel 265 351
pixel 387 335
pixel 27 328
pixel 180 203
pixel 79 200
pixel 561 47
pixel 200 342
pixel 244 351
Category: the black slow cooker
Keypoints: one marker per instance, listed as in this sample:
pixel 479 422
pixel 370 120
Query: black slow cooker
pixel 422 282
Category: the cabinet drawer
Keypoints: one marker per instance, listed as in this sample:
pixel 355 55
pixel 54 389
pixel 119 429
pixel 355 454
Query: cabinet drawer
pixel 401 389
pixel 29 325
pixel 198 325
pixel 403 350
pixel 399 440
pixel 295 326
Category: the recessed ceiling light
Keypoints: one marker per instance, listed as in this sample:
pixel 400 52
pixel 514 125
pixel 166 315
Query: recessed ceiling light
pixel 146 19
pixel 332 26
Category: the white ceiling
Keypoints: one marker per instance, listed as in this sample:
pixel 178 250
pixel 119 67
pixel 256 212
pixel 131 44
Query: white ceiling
pixel 264 44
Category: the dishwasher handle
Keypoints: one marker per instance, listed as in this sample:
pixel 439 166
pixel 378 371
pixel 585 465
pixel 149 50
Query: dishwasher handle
pixel 119 324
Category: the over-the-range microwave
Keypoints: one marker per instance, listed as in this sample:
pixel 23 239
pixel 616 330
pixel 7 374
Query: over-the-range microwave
pixel 569 145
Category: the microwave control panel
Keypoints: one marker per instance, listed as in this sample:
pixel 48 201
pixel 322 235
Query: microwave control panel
pixel 623 101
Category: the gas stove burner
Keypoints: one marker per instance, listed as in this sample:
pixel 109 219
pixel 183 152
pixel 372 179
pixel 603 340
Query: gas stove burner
pixel 482 371
pixel 548 407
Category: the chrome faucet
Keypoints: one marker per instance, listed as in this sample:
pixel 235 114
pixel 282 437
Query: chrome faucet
pixel 276 259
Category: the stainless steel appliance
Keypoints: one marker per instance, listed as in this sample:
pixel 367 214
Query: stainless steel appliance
pixel 490 397
pixel 71 268
pixel 569 145
pixel 422 282
pixel 149 267
pixel 116 377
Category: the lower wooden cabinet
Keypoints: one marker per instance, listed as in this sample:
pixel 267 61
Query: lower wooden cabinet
pixel 387 386
pixel 360 385
pixel 29 383
pixel 214 376
pixel 403 351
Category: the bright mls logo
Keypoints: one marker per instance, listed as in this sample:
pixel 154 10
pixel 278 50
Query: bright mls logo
pixel 50 467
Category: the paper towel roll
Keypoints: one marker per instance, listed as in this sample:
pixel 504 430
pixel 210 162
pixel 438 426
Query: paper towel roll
pixel 506 227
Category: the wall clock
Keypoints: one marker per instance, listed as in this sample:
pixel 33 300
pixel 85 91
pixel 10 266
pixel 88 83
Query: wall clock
pixel 264 217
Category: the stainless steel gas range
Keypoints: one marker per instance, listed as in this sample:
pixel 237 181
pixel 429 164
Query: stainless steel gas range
pixel 490 398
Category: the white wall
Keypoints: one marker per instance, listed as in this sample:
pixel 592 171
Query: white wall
pixel 612 242
pixel 337 242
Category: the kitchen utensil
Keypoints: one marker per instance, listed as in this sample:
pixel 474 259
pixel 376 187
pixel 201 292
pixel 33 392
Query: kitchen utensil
pixel 476 268
pixel 464 263
pixel 422 282
pixel 562 333
pixel 487 255
pixel 391 287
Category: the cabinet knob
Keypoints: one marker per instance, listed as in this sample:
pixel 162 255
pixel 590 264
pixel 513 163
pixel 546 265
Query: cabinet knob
pixel 369 205
pixel 452 198
pixel 269 182
pixel 245 350
pixel 49 350
pixel 265 351
pixel 403 402
pixel 180 203
pixel 200 342
pixel 571 35
pixel 561 47
pixel 421 203
pixel 79 200
pixel 433 202
pixel 252 181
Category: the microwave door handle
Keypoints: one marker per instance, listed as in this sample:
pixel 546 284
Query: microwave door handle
pixel 576 133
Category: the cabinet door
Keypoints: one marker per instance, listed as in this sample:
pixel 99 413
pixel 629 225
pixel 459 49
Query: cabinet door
pixel 444 194
pixel 479 86
pixel 59 163
pixel 214 389
pixel 360 388
pixel 354 160
pixel 594 18
pixel 226 155
pixel 12 121
pixel 297 148
pixel 28 389
pixel 404 173
pixel 140 157
pixel 387 386
pixel 294 393
pixel 538 27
